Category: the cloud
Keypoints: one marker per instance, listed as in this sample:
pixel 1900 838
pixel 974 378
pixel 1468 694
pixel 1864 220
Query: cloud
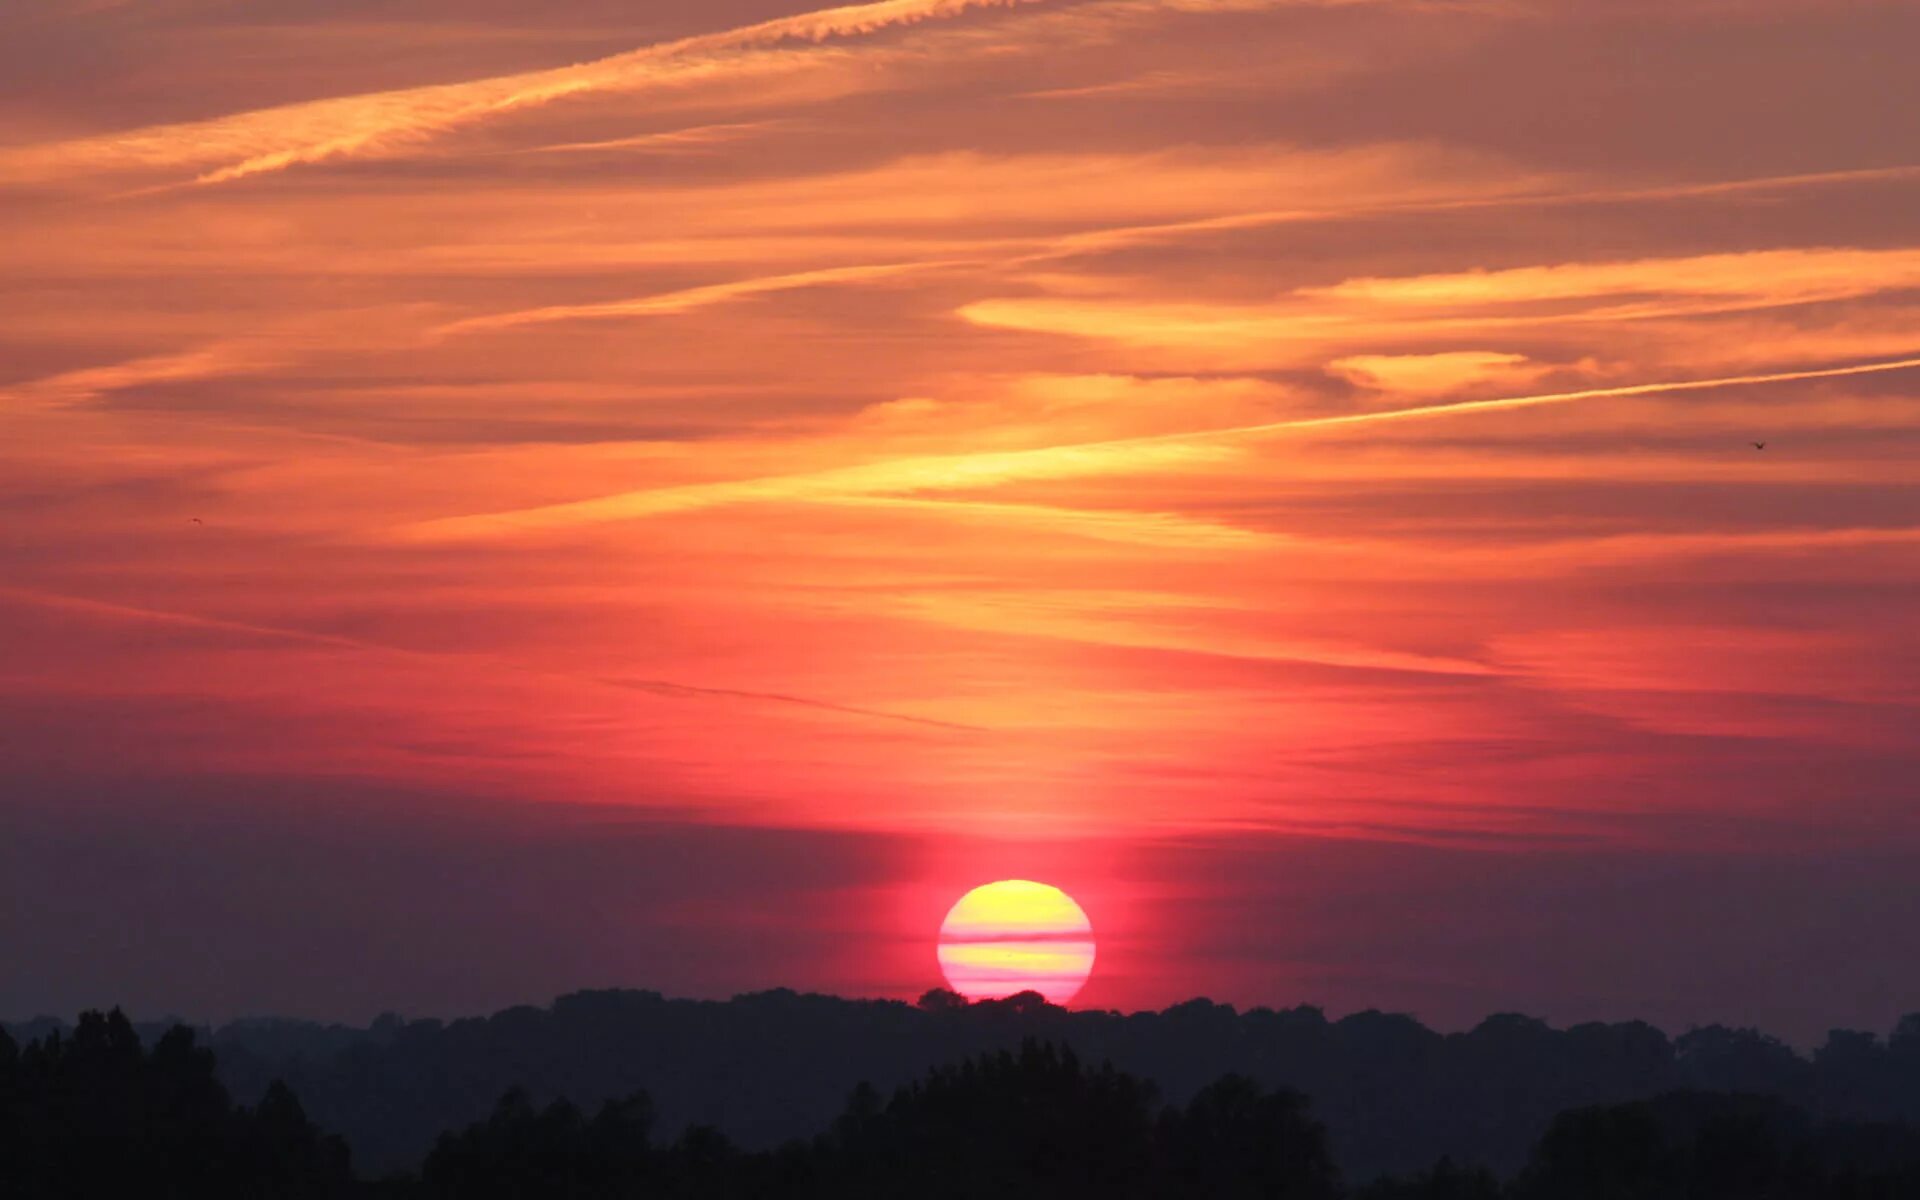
pixel 908 476
pixel 1723 659
pixel 1794 276
pixel 904 476
pixel 1512 558
pixel 1556 304
pixel 314 131
pixel 1155 83
pixel 1039 408
pixel 1163 530
pixel 1092 619
pixel 1505 188
pixel 87 383
pixel 485 665
pixel 698 139
pixel 1437 374
pixel 1846 688
pixel 687 299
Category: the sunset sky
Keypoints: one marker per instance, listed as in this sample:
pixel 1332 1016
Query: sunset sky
pixel 501 498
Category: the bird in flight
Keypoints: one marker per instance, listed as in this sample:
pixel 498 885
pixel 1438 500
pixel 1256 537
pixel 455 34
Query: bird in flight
pixel 197 521
pixel 1759 445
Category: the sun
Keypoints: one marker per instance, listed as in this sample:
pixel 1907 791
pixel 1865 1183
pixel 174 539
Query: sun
pixel 1016 936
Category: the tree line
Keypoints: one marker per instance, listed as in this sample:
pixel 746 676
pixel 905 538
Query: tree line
pixel 95 1113
pixel 770 1067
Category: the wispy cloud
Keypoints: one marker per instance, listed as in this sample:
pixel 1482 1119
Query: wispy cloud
pixel 316 131
pixel 87 383
pixel 1034 368
pixel 895 476
pixel 907 476
pixel 1166 530
pixel 1460 312
pixel 1436 374
pixel 1508 190
pixel 687 299
pixel 111 610
pixel 1794 276
pixel 1084 619
pixel 697 139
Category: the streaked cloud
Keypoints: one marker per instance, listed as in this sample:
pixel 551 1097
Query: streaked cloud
pixel 903 475
pixel 1192 450
pixel 686 299
pixel 86 383
pixel 1521 303
pixel 1795 276
pixel 1437 374
pixel 317 131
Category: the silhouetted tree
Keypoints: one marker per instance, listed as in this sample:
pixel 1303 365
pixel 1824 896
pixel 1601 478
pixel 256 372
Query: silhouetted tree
pixel 940 1000
pixel 92 1114
pixel 1238 1141
pixel 1717 1058
pixel 1031 1124
pixel 1444 1181
pixel 775 1068
pixel 522 1150
pixel 1602 1153
pixel 1855 1077
pixel 1904 1041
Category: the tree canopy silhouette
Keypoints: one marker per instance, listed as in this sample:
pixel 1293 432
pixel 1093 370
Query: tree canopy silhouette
pixel 94 1113
pixel 778 1095
pixel 770 1067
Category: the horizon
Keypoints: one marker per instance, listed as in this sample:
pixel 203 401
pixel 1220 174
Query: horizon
pixel 217 1027
pixel 270 877
pixel 1367 1096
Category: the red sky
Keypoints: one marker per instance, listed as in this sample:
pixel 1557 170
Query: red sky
pixel 461 463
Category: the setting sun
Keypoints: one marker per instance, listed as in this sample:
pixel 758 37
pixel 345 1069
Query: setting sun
pixel 1016 936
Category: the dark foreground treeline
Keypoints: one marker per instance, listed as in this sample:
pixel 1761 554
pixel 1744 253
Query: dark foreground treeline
pixel 95 1114
pixel 770 1067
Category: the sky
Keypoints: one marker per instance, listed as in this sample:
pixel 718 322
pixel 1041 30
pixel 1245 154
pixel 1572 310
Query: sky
pixel 500 498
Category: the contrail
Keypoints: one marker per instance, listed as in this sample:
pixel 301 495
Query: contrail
pixel 1506 402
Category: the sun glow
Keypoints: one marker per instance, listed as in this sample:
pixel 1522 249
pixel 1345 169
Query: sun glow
pixel 1016 936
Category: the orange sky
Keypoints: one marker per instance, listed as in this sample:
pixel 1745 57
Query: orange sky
pixel 977 423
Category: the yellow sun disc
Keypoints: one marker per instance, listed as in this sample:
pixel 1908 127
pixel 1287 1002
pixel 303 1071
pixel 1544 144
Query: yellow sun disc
pixel 1016 936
